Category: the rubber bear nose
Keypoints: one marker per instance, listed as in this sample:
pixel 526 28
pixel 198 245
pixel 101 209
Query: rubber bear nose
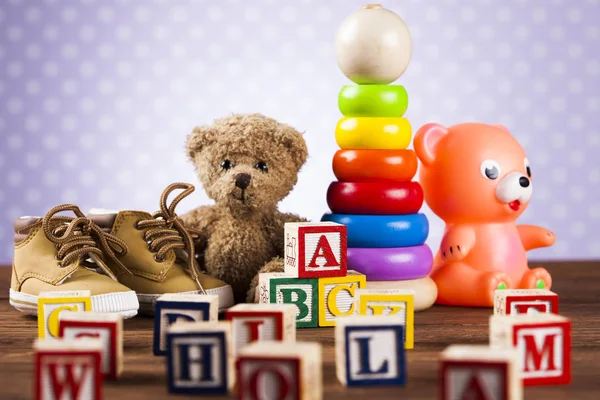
pixel 524 182
pixel 243 180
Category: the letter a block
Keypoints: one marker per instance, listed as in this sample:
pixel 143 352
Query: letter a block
pixel 52 304
pixel 181 307
pixel 543 342
pixel 369 351
pixel 108 327
pixel 68 369
pixel 336 296
pixel 199 357
pixel 480 372
pixel 282 288
pixel 280 371
pixel 258 322
pixel 397 302
pixel 315 249
pixel 524 301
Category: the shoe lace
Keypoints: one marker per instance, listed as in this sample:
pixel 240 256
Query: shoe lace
pixel 80 237
pixel 165 231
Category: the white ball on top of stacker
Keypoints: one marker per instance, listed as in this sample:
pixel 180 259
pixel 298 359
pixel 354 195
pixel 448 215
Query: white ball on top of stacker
pixel 373 46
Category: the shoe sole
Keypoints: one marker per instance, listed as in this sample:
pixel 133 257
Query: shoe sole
pixel 148 301
pixel 124 303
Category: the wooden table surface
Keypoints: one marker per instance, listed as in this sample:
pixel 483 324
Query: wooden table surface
pixel 577 283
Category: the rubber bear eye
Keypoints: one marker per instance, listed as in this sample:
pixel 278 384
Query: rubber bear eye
pixel 262 166
pixel 226 164
pixel 528 168
pixel 490 169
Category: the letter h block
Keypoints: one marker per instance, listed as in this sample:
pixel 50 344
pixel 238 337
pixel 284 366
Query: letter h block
pixel 543 343
pixel 52 304
pixel 278 370
pixel 199 358
pixel 315 249
pixel 108 327
pixel 524 301
pixel 369 351
pixel 174 307
pixel 68 369
pixel 336 296
pixel 280 288
pixel 480 372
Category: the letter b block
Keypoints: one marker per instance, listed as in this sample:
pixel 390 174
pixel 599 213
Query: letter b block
pixel 543 343
pixel 336 296
pixel 181 307
pixel 281 288
pixel 369 351
pixel 199 358
pixel 315 249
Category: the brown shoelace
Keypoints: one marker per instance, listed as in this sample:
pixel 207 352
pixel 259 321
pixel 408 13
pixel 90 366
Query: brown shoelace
pixel 166 232
pixel 79 237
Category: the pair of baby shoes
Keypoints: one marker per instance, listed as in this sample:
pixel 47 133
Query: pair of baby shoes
pixel 126 259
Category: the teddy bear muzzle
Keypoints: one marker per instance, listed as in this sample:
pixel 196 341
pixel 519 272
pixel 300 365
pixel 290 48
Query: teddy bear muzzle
pixel 515 189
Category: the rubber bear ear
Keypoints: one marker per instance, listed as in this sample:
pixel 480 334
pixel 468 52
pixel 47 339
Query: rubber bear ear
pixel 426 141
pixel 500 126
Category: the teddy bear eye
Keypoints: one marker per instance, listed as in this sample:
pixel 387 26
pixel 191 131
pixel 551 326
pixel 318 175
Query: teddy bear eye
pixel 490 169
pixel 262 166
pixel 528 168
pixel 226 164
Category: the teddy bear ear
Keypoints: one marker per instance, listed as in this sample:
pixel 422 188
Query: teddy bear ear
pixel 426 141
pixel 294 143
pixel 198 139
pixel 500 126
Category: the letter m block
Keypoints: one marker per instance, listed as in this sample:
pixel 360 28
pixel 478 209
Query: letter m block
pixel 543 342
pixel 281 288
pixel 315 249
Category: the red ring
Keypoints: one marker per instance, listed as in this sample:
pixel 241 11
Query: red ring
pixel 375 198
pixel 375 165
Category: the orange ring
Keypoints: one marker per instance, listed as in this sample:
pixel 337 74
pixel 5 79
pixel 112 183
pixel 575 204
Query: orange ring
pixel 374 165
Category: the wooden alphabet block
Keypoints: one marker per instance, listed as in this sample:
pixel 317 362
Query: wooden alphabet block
pixel 315 249
pixel 199 357
pixel 68 369
pixel 543 342
pixel 336 296
pixel 523 301
pixel 369 351
pixel 181 307
pixel 52 304
pixel 480 372
pixel 282 288
pixel 108 327
pixel 391 302
pixel 257 322
pixel 268 370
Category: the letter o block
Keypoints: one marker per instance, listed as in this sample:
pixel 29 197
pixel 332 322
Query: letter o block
pixel 280 288
pixel 336 296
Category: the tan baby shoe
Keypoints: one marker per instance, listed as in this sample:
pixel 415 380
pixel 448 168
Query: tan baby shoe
pixel 60 253
pixel 159 253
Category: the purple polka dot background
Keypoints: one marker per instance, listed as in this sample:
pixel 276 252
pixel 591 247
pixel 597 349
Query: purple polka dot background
pixel 97 97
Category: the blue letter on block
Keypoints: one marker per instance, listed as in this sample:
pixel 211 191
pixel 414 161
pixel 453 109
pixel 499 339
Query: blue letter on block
pixel 167 312
pixel 197 362
pixel 375 355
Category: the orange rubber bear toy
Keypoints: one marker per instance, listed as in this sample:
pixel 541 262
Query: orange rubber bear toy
pixel 476 178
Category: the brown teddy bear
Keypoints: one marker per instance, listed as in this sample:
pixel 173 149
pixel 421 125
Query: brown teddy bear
pixel 247 164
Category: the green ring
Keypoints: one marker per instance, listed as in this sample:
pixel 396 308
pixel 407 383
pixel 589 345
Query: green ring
pixel 373 100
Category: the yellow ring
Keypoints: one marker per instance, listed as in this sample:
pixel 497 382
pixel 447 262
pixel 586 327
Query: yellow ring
pixel 373 133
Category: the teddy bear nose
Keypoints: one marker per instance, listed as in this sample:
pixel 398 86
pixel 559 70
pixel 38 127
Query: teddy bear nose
pixel 524 182
pixel 242 181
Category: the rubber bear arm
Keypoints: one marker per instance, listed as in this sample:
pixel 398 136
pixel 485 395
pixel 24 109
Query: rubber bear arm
pixel 457 243
pixel 534 237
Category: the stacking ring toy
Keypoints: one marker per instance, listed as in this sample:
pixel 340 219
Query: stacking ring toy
pixel 395 264
pixel 376 198
pixel 373 101
pixel 379 231
pixel 375 165
pixel 373 133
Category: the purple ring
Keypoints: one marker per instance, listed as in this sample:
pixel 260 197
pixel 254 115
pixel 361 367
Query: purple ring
pixel 391 264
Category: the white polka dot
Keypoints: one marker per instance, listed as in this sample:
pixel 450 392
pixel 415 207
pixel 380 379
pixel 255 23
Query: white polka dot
pixel 106 160
pixel 575 122
pixel 33 14
pixel 87 178
pixel 468 50
pixel 287 14
pixel 124 141
pixel 123 33
pixel 215 51
pixel 432 86
pixel 69 14
pixel 592 32
pixel 559 211
pixel 560 248
pixel 450 32
pixel 432 14
pixel 503 14
pixel 467 14
pixel 485 32
pixel 14 105
pixel 575 86
pixel 14 177
pixel 575 50
pixel 106 123
pixel 69 159
pixel 69 195
pixel 521 68
pixel 576 158
pixel 450 104
pixel 51 105
pixel 539 50
pixel 504 86
pixel 50 142
pixel 574 15
pixel 521 33
pixel 593 104
pixel 141 14
pixel 124 177
pixel 288 50
pixel 50 33
pixel 68 123
pixel 33 51
pixel 504 50
pixel 14 69
pixel 106 86
pixel 577 193
pixel 558 104
pixel 540 122
pixel 14 142
pixel 87 69
pixel 51 178
pixel 486 68
pixel 32 123
pixel 578 229
pixel 432 52
pixel 592 68
pixel 539 15
pixel 87 141
pixel 215 13
pixel 106 51
pixel 306 32
pixel 106 15
pixel 324 14
pixel 123 104
pixel 87 33
pixel 69 87
pixel 557 32
pixel 594 212
pixel 487 103
pixel 50 69
pixel 558 140
pixel 14 33
pixel 33 196
pixel 594 175
pixel 559 175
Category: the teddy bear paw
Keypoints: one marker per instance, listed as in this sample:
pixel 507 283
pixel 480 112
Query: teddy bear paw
pixel 452 253
pixel 537 278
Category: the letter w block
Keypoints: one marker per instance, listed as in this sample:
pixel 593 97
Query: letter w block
pixel 369 351
pixel 280 288
pixel 543 342
pixel 315 249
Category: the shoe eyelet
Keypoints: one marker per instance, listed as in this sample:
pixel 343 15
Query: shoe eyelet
pixel 149 246
pixel 137 226
pixel 159 259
